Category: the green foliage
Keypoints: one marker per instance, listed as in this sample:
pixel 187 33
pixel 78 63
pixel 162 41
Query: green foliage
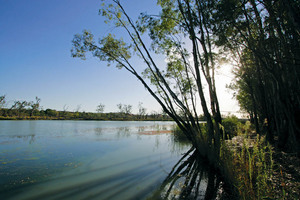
pixel 82 44
pixel 179 136
pixel 23 110
pixel 265 39
pixel 161 29
pixel 51 113
pixel 231 126
pixel 113 50
pixel 249 167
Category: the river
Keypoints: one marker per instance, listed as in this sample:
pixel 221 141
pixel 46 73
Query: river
pixel 85 159
pixel 100 160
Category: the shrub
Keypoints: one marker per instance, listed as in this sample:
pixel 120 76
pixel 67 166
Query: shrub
pixel 178 135
pixel 231 126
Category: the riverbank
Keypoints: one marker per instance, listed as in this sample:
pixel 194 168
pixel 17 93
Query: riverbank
pixel 251 167
pixel 259 170
pixel 84 119
pixel 50 114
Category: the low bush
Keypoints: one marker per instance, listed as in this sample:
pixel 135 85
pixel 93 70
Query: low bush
pixel 178 135
pixel 231 126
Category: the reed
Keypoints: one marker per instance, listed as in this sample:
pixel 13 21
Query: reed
pixel 249 167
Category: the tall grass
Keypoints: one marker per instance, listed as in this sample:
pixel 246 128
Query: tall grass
pixel 246 160
pixel 178 135
pixel 249 167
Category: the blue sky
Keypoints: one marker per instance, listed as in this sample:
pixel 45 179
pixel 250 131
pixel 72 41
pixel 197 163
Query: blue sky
pixel 35 59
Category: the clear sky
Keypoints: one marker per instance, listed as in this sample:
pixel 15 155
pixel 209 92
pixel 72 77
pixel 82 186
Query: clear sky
pixel 35 59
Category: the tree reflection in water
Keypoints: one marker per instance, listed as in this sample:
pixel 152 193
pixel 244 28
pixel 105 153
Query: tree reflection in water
pixel 192 178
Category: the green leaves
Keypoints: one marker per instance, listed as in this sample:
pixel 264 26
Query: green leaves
pixel 113 14
pixel 110 49
pixel 82 44
pixel 113 49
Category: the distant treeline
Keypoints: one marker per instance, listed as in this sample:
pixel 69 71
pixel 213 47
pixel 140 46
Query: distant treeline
pixel 31 110
pixel 50 114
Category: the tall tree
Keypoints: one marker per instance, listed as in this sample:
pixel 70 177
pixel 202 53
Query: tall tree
pixel 124 109
pixel 120 108
pixel 268 31
pixel 34 106
pixel 127 109
pixel 100 108
pixel 2 101
pixel 19 107
pixel 141 110
pixel 178 85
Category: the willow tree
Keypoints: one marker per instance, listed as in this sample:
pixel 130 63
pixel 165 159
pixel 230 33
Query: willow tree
pixel 182 34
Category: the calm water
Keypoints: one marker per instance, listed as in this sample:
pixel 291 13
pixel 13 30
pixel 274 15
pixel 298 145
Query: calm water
pixel 85 159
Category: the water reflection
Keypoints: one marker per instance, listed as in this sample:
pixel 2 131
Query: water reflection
pixel 98 131
pixel 192 178
pixel 123 132
pixel 29 129
pixel 29 138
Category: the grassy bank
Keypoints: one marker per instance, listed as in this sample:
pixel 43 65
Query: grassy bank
pixel 256 169
pixel 252 167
